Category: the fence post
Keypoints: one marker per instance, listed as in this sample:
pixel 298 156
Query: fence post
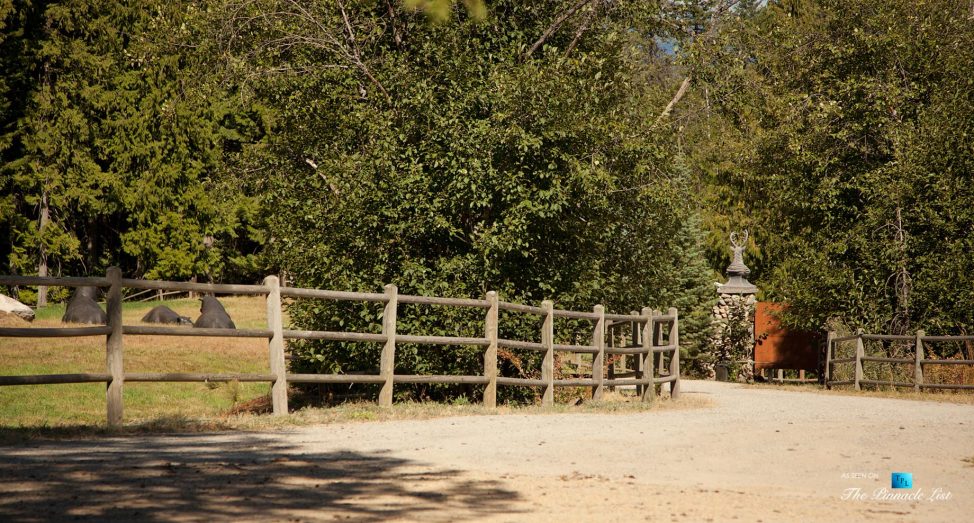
pixel 649 391
pixel 548 342
pixel 860 352
pixel 275 345
pixel 658 342
pixel 918 368
pixel 113 347
pixel 598 361
pixel 490 355
pixel 675 359
pixel 387 363
pixel 828 359
pixel 610 369
pixel 637 360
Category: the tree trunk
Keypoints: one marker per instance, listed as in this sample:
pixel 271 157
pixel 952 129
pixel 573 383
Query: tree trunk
pixel 42 262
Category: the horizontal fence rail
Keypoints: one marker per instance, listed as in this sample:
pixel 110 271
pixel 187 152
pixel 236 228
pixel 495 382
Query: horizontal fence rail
pixel 213 288
pixel 647 349
pixel 918 361
pixel 55 332
pixel 50 281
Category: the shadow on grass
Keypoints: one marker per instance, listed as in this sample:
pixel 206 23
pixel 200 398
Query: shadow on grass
pixel 157 426
pixel 231 477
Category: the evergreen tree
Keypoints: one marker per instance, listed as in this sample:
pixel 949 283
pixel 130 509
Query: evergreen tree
pixel 116 150
pixel 513 154
pixel 853 136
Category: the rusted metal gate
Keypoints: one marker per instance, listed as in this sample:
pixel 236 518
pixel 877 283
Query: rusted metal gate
pixel 776 347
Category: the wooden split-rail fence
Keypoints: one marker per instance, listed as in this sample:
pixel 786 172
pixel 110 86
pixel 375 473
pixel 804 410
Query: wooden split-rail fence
pixel 918 361
pixel 651 347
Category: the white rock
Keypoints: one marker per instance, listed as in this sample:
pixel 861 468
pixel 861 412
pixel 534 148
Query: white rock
pixel 8 304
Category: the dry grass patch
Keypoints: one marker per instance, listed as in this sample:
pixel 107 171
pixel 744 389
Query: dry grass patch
pixel 79 409
pixel 244 420
pixel 84 404
pixel 12 320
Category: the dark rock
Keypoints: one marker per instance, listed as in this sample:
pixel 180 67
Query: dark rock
pixel 213 316
pixel 84 309
pixel 163 314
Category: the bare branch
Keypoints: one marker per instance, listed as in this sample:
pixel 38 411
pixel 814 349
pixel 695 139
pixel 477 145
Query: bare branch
pixel 357 54
pixel 396 37
pixel 676 99
pixel 331 186
pixel 583 27
pixel 719 10
pixel 555 25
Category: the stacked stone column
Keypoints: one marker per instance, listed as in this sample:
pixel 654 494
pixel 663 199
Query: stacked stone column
pixel 739 294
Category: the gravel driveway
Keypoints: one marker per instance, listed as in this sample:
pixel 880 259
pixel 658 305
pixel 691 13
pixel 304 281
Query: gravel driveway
pixel 755 455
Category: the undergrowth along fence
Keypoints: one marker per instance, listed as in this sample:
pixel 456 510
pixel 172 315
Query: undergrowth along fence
pixel 655 336
pixel 917 361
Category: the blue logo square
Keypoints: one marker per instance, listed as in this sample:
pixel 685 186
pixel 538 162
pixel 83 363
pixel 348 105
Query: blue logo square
pixel 902 480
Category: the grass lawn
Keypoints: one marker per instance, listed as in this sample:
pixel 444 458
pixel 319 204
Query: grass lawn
pixel 360 411
pixel 28 411
pixel 84 404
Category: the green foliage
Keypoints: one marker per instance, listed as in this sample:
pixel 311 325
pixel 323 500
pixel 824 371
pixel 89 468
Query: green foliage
pixel 442 10
pixel 687 283
pixel 852 121
pixel 113 124
pixel 447 161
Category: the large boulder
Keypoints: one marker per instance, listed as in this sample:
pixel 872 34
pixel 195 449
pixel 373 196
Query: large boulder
pixel 84 309
pixel 213 316
pixel 12 306
pixel 163 314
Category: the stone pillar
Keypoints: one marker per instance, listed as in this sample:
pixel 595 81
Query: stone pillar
pixel 732 341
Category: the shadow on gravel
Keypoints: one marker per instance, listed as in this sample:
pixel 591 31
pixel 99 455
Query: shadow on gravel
pixel 230 477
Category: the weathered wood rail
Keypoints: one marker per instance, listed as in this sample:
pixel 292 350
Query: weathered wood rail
pixel 918 361
pixel 648 345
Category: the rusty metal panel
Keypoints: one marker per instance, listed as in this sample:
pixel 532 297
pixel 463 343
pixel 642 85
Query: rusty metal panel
pixel 778 348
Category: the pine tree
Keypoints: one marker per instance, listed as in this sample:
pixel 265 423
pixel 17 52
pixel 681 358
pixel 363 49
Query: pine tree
pixel 693 293
pixel 116 150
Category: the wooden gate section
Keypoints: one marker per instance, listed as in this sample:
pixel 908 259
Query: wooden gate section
pixel 776 347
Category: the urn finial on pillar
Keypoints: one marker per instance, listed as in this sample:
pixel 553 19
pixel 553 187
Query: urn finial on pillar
pixel 737 272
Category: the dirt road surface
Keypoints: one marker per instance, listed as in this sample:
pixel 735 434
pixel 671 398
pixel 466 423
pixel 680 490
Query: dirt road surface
pixel 755 455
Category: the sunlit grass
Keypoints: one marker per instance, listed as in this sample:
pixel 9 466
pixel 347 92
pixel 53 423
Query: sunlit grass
pixel 72 404
pixel 178 420
pixel 79 409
